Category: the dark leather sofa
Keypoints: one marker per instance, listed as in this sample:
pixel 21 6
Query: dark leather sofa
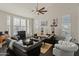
pixel 51 40
pixel 18 50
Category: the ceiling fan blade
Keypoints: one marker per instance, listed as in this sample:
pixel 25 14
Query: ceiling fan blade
pixel 41 12
pixel 44 11
pixel 42 8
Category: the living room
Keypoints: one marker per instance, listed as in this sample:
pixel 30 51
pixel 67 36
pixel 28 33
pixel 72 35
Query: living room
pixel 27 21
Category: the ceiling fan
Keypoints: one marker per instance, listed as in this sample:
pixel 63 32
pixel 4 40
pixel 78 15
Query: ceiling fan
pixel 39 11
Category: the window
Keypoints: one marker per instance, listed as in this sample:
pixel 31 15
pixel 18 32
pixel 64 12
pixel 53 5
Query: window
pixel 23 24
pixel 16 21
pixel 37 24
pixel 66 25
pixel 28 27
pixel 19 24
pixel 15 24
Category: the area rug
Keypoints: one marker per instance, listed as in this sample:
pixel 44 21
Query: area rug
pixel 45 48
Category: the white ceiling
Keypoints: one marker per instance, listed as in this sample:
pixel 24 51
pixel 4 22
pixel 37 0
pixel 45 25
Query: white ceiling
pixel 25 9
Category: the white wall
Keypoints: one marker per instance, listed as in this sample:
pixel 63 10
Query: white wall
pixel 78 25
pixel 3 18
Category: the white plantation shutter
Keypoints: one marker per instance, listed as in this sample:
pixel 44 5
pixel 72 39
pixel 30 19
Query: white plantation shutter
pixel 66 26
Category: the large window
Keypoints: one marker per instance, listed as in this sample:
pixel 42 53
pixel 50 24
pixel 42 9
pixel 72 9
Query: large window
pixel 19 24
pixel 66 25
pixel 23 24
pixel 15 24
